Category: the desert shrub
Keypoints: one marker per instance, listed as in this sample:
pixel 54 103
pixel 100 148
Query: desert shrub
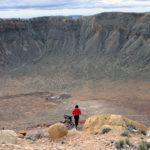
pixel 127 141
pixel 143 145
pixel 106 130
pixel 120 144
pixel 125 133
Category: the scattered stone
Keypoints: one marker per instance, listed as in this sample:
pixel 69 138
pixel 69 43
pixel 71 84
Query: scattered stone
pixel 57 130
pixel 143 132
pixel 33 142
pixel 111 141
pixel 75 145
pixel 8 137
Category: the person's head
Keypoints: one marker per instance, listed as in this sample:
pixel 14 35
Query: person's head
pixel 76 106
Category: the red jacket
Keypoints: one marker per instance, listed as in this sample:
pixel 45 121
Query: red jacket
pixel 76 112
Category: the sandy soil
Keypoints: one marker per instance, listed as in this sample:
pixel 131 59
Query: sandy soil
pixel 131 99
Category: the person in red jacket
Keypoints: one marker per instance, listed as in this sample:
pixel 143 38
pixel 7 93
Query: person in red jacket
pixel 76 112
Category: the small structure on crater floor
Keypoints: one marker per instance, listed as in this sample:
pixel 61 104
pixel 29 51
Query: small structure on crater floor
pixel 58 97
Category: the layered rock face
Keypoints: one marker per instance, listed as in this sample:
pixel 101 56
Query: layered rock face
pixel 107 45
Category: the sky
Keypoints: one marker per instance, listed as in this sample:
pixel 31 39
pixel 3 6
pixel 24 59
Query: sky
pixel 38 8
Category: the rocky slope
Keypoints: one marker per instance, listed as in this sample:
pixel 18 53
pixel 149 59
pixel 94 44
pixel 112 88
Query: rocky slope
pixel 57 53
pixel 131 138
pixel 105 45
pixel 79 140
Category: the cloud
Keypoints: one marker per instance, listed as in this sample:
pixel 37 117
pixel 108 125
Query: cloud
pixel 45 4
pixel 60 7
pixel 71 4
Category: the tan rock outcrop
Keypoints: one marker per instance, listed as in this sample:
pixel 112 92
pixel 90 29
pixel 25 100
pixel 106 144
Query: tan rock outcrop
pixel 57 130
pixel 148 132
pixel 96 123
pixel 8 137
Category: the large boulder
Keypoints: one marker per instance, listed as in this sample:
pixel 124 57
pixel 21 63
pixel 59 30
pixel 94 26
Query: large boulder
pixel 57 130
pixel 8 137
pixel 96 124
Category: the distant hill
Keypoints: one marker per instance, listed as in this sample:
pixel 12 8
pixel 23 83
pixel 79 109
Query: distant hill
pixel 74 16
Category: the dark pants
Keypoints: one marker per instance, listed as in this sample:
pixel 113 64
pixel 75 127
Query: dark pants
pixel 76 120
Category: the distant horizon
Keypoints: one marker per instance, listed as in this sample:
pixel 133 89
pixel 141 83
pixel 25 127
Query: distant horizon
pixel 37 8
pixel 71 16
